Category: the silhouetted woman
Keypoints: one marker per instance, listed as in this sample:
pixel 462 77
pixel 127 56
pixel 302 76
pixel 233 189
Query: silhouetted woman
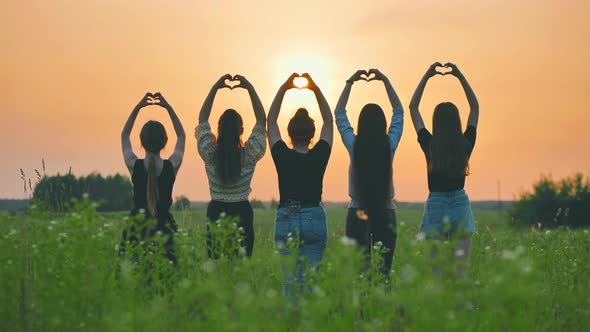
pixel 153 178
pixel 300 216
pixel 230 163
pixel 371 218
pixel 447 212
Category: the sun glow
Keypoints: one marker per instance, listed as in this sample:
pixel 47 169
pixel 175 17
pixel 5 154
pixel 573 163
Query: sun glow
pixel 300 82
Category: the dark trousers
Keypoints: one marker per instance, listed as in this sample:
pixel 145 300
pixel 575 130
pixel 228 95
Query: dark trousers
pixel 367 233
pixel 242 210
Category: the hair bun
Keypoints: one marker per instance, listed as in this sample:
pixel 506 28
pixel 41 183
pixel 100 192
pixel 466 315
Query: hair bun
pixel 301 113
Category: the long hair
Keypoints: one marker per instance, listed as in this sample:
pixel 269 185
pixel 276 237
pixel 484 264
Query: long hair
pixel 229 148
pixel 448 148
pixel 371 164
pixel 301 128
pixel 153 139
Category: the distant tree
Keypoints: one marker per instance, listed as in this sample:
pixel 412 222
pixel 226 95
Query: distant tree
pixel 56 192
pixel 554 203
pixel 115 193
pixel 257 204
pixel 182 203
pixel 274 204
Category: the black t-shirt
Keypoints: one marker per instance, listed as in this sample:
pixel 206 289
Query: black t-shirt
pixel 442 182
pixel 301 175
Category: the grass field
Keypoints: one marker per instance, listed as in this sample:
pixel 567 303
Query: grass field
pixel 59 273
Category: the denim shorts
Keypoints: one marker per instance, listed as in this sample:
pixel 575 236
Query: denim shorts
pixel 447 214
pixel 307 225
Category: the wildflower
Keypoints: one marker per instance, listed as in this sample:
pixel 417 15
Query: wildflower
pixel 420 236
pixel 345 240
pixel 141 211
pixel 107 225
pixel 171 262
pixel 459 253
pixel 508 255
pixel 85 195
pixel 402 223
pixel 271 293
pixel 378 245
pixel 49 227
pixel 53 222
pixel 218 222
pixel 64 235
pixel 241 229
pixel 547 232
pixel 12 232
pixel 477 282
pixel 222 215
pixel 234 225
pixel 488 248
pixel 242 251
pixel 208 266
pixel 446 219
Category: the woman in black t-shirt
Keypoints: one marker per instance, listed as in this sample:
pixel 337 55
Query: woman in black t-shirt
pixel 153 180
pixel 447 211
pixel 301 219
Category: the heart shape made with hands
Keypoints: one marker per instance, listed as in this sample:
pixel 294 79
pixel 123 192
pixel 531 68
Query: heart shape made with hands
pixel 444 70
pixel 300 82
pixel 368 76
pixel 233 82
pixel 152 99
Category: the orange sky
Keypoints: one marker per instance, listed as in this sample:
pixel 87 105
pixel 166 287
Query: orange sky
pixel 73 70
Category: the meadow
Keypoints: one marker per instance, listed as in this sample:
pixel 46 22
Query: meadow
pixel 62 273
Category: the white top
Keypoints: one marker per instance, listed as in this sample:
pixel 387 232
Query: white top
pixel 254 149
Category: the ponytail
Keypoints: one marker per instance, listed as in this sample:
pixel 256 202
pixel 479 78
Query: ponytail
pixel 152 186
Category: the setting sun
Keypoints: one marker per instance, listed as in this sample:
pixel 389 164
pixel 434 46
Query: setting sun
pixel 300 82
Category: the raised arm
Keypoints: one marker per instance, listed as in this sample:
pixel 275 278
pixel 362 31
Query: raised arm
pixel 415 102
pixel 256 103
pixel 274 134
pixel 342 123
pixel 396 127
pixel 178 154
pixel 208 103
pixel 471 98
pixel 327 132
pixel 128 154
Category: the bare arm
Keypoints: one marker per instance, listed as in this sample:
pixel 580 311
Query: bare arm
pixel 417 97
pixel 208 103
pixel 274 134
pixel 178 154
pixel 327 132
pixel 256 103
pixel 471 98
pixel 128 154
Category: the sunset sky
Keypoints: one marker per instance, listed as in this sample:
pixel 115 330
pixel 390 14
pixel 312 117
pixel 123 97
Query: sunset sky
pixel 73 70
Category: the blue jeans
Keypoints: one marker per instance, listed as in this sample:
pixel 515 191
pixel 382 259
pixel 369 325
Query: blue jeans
pixel 447 214
pixel 304 232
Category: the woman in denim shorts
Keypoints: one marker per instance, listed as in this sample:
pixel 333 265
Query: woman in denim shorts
pixel 300 225
pixel 447 212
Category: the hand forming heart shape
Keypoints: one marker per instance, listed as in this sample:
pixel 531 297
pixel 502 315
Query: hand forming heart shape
pixel 368 76
pixel 233 82
pixel 444 70
pixel 152 99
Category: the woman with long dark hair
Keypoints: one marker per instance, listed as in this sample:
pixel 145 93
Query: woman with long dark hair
pixel 230 163
pixel 301 219
pixel 371 219
pixel 447 212
pixel 153 177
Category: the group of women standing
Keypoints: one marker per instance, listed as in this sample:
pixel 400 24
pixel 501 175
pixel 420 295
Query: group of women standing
pixel 371 220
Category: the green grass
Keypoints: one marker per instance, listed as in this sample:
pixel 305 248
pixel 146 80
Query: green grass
pixel 58 273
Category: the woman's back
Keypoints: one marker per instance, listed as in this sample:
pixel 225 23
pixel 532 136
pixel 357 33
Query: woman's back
pixel 301 174
pixel 166 180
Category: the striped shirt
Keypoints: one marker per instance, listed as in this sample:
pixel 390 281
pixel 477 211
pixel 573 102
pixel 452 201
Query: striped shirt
pixel 254 149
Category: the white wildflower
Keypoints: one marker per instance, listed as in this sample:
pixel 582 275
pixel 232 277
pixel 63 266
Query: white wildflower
pixel 12 232
pixel 141 211
pixel 459 253
pixel 85 195
pixel 64 235
pixel 242 251
pixel 547 232
pixel 420 236
pixel 49 227
pixel 347 241
pixel 488 248
pixel 222 215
